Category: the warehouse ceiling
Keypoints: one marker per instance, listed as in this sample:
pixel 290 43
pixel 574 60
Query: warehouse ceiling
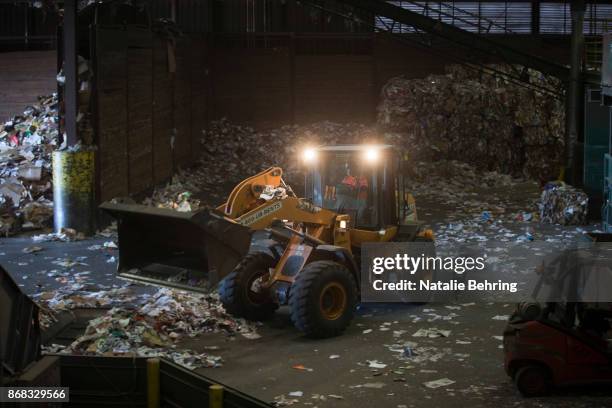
pixel 422 19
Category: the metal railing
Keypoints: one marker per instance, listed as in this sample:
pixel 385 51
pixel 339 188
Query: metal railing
pixel 507 17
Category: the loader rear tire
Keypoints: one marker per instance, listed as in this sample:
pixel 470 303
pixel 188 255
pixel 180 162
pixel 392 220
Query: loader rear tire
pixel 323 299
pixel 236 292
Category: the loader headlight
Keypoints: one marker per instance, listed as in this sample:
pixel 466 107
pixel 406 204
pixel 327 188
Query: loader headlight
pixel 309 155
pixel 371 154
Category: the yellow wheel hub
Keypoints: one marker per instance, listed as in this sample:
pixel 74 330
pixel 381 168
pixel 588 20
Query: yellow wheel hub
pixel 332 300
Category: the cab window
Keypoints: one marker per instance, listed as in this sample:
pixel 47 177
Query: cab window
pixel 348 186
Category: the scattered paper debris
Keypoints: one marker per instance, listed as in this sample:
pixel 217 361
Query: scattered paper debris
pixel 283 401
pixel 431 333
pixel 32 249
pixel 374 385
pixel 65 235
pixel 376 364
pixel 301 367
pixel 442 382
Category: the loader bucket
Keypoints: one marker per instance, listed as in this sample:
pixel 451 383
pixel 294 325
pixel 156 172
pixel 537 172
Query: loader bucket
pixel 186 250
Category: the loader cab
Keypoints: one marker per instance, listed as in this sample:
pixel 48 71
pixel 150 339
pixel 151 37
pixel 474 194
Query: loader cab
pixel 358 180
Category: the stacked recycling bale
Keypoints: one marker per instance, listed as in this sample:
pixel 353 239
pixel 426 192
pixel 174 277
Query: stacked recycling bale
pixel 482 119
pixel 563 204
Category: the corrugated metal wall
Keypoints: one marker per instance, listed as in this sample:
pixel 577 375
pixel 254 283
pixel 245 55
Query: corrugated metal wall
pixel 151 107
pixel 139 108
pixel 200 90
pixel 112 112
pixel 334 87
pixel 259 16
pixel 26 27
pixel 24 76
pixel 192 16
pixel 181 142
pixel 163 116
pixel 270 80
pixel 253 85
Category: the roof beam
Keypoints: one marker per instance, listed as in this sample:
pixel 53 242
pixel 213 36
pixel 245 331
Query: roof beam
pixel 460 36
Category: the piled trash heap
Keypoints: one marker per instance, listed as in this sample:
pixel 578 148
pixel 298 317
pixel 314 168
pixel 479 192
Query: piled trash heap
pixel 157 325
pixel 563 204
pixel 479 118
pixel 231 152
pixel 26 143
pixel 460 187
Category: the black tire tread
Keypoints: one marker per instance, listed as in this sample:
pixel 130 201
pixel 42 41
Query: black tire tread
pixel 301 312
pixel 229 290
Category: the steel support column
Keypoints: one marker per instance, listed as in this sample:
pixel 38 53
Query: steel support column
pixel 535 17
pixel 70 71
pixel 575 93
pixel 73 171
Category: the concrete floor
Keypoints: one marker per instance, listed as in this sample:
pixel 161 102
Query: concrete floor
pixel 471 356
pixel 264 367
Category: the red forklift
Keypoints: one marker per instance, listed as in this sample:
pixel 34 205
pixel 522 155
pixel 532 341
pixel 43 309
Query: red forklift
pixel 567 341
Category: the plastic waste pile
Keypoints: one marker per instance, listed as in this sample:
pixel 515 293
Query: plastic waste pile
pixel 26 143
pixel 563 204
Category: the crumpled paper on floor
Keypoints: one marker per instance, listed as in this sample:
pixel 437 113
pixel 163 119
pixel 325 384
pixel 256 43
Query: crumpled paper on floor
pixel 156 325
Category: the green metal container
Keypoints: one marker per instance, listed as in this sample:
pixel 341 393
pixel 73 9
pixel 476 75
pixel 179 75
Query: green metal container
pixel 596 144
pixel 607 206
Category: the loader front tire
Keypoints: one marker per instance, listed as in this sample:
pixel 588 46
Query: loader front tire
pixel 237 292
pixel 323 299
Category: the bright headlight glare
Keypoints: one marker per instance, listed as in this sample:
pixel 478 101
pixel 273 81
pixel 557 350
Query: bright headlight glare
pixel 371 154
pixel 309 155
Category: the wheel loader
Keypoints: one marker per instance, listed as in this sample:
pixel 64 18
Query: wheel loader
pixel 266 247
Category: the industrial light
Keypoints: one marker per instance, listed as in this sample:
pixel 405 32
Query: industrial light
pixel 371 154
pixel 309 155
